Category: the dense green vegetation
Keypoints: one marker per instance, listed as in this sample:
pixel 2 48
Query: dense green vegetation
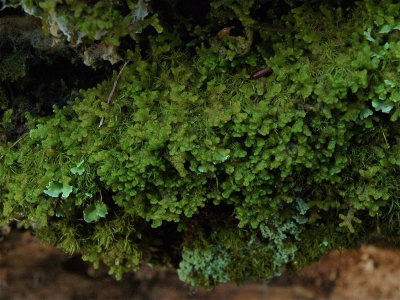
pixel 193 164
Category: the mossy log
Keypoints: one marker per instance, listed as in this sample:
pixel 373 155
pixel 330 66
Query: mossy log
pixel 199 162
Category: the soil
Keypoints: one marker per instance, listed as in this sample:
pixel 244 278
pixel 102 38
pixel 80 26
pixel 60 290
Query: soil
pixel 31 270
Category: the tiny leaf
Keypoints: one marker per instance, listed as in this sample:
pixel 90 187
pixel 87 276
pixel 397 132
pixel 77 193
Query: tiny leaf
pixel 386 29
pixel 66 190
pixel 390 83
pixel 366 112
pixel 94 212
pixel 78 169
pixel 378 105
pixel 54 189
pixel 367 34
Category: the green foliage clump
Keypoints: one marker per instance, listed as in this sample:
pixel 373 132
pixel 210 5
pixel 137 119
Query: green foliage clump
pixel 229 253
pixel 107 20
pixel 226 178
pixel 13 67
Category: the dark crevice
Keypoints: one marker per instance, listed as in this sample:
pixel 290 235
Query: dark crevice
pixel 36 73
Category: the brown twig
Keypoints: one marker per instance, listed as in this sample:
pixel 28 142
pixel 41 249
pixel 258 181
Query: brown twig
pixel 263 72
pixel 384 136
pixel 113 90
pixel 16 143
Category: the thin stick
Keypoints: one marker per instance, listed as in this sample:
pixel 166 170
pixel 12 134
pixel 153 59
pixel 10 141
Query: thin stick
pixel 113 90
pixel 384 136
pixel 16 142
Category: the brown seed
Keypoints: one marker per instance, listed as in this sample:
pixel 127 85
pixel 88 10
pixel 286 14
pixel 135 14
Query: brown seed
pixel 263 72
pixel 224 31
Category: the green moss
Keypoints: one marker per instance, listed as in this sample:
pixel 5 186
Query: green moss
pixel 199 167
pixel 13 67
